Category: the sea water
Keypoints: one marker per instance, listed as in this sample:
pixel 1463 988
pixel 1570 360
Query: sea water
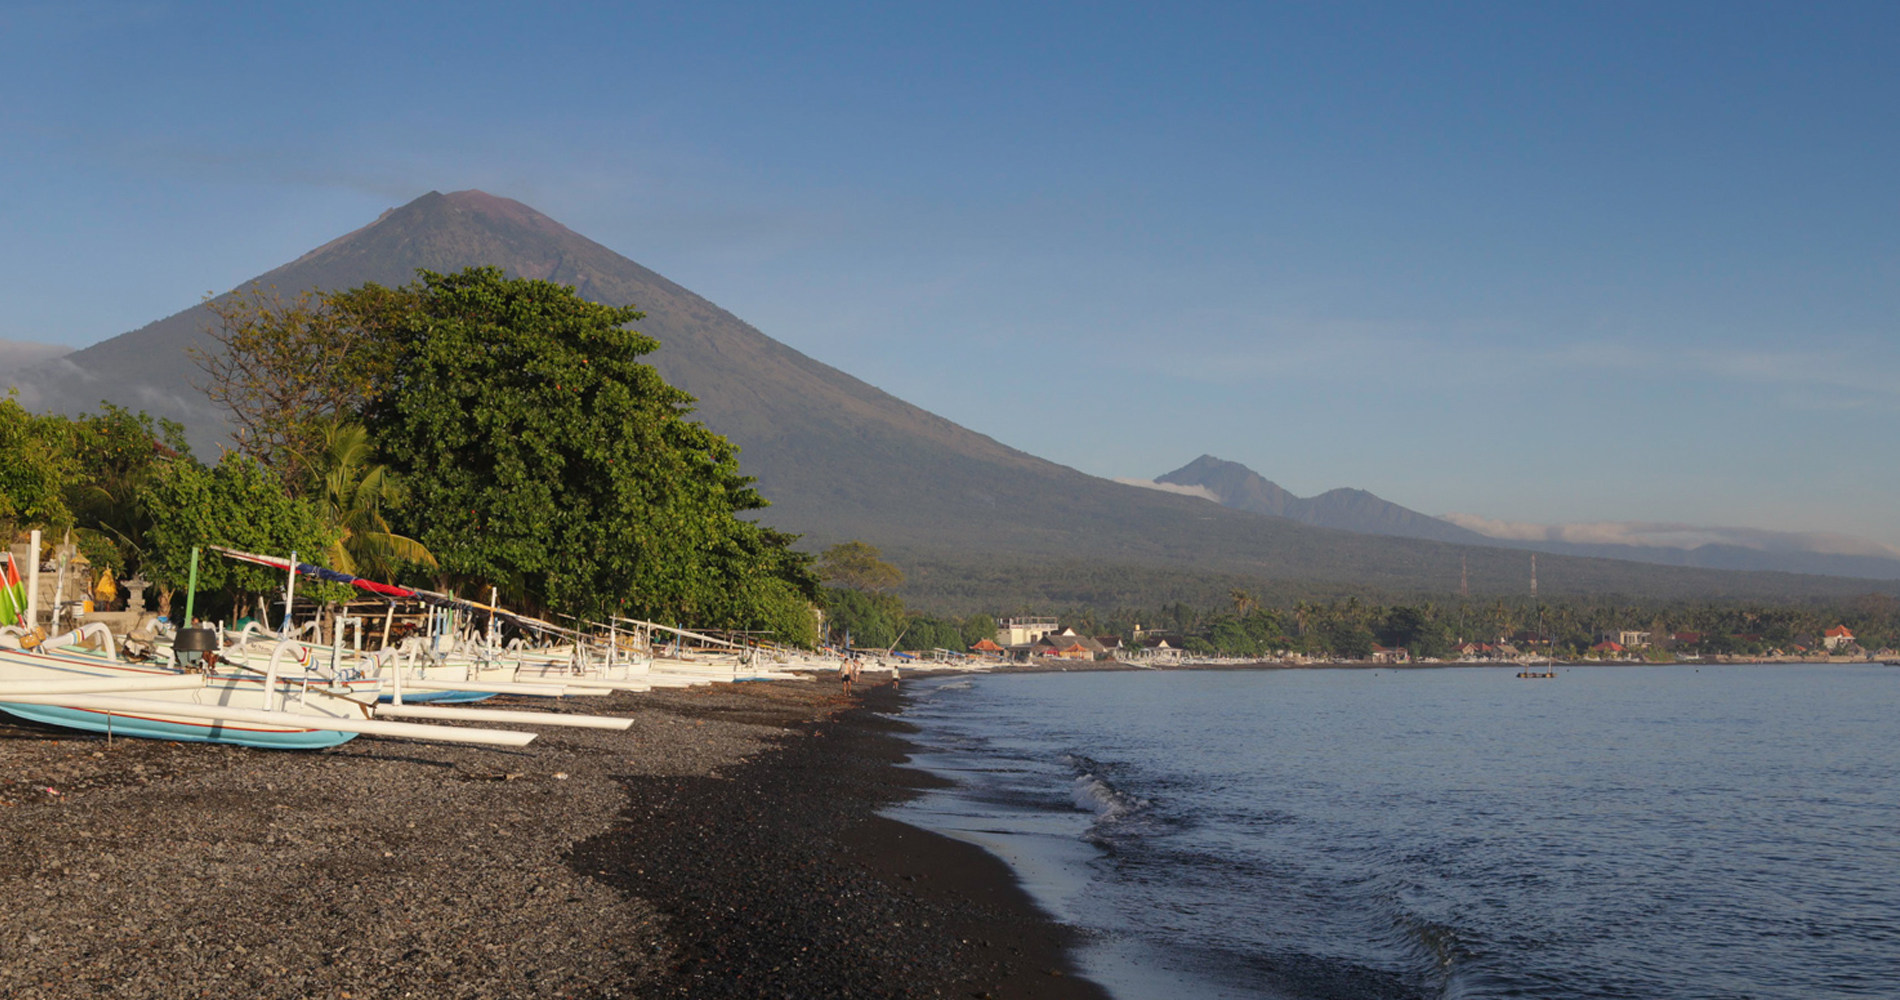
pixel 1619 832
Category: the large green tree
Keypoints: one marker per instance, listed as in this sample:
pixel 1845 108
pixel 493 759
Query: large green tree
pixel 858 566
pixel 115 453
pixel 283 367
pixel 543 456
pixel 239 504
pixel 36 468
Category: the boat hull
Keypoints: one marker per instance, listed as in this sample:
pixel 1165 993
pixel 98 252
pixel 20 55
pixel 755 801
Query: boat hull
pixel 157 727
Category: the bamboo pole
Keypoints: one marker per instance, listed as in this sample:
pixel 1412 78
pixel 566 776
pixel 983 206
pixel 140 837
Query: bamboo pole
pixel 33 580
pixel 455 713
pixel 290 592
pixel 191 588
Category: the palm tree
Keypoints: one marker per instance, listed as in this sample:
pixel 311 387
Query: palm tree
pixel 352 492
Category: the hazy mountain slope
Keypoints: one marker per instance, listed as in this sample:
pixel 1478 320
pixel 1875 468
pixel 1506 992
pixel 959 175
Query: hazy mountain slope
pixel 1242 488
pixel 842 459
pixel 1731 557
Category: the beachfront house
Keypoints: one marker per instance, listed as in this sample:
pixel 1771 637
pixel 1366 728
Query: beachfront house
pixel 1381 654
pixel 1837 637
pixel 1014 632
pixel 1068 644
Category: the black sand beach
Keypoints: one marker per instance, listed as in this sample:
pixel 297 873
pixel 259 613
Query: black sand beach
pixel 726 846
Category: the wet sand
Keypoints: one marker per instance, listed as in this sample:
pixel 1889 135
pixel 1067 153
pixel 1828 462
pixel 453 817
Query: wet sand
pixel 726 846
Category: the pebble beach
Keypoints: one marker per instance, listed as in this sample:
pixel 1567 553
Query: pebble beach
pixel 727 845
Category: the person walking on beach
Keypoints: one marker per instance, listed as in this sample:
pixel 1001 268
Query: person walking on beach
pixel 847 672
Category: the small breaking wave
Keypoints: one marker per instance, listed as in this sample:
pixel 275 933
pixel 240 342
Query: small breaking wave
pixel 1093 792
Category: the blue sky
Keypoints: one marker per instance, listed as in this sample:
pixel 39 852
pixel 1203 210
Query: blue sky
pixel 1535 262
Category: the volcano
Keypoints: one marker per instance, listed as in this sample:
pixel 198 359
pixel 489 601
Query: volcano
pixel 841 459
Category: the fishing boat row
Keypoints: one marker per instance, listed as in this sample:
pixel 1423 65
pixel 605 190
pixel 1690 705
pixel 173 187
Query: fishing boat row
pixel 294 687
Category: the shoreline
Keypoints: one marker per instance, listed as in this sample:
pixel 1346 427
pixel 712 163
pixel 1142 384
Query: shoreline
pixel 726 845
pixel 1116 666
pixel 837 900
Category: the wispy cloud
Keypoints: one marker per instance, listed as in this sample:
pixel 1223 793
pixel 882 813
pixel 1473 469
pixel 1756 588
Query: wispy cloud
pixel 1673 536
pixel 21 353
pixel 1819 376
pixel 1193 491
pixel 43 21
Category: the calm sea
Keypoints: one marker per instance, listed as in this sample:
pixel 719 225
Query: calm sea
pixel 1639 832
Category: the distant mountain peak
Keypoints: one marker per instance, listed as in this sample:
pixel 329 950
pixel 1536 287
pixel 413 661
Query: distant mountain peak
pixel 1345 509
pixel 506 210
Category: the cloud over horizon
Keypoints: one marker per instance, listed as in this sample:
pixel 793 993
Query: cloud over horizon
pixel 1673 536
pixel 15 354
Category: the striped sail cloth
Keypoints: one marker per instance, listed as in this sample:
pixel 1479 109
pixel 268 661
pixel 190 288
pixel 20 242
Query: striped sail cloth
pixel 12 594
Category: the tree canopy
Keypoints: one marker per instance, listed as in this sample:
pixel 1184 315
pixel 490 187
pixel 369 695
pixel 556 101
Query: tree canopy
pixel 543 456
pixel 237 503
pixel 281 366
pixel 36 465
pixel 858 566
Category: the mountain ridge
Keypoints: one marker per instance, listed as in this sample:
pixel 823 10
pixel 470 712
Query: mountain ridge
pixel 1346 509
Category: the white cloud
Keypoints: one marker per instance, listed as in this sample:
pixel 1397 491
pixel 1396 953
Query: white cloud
pixel 1843 376
pixel 1674 536
pixel 1191 491
pixel 15 354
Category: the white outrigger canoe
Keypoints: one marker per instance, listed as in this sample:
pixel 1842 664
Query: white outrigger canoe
pixel 388 683
pixel 80 690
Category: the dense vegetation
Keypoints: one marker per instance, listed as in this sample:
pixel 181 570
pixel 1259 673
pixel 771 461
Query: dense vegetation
pixel 480 431
pixel 859 612
pixel 1350 627
pixel 1242 621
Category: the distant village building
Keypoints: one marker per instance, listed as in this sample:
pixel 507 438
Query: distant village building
pixel 1381 654
pixel 1608 647
pixel 1023 631
pixel 1067 644
pixel 1837 637
pixel 987 648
